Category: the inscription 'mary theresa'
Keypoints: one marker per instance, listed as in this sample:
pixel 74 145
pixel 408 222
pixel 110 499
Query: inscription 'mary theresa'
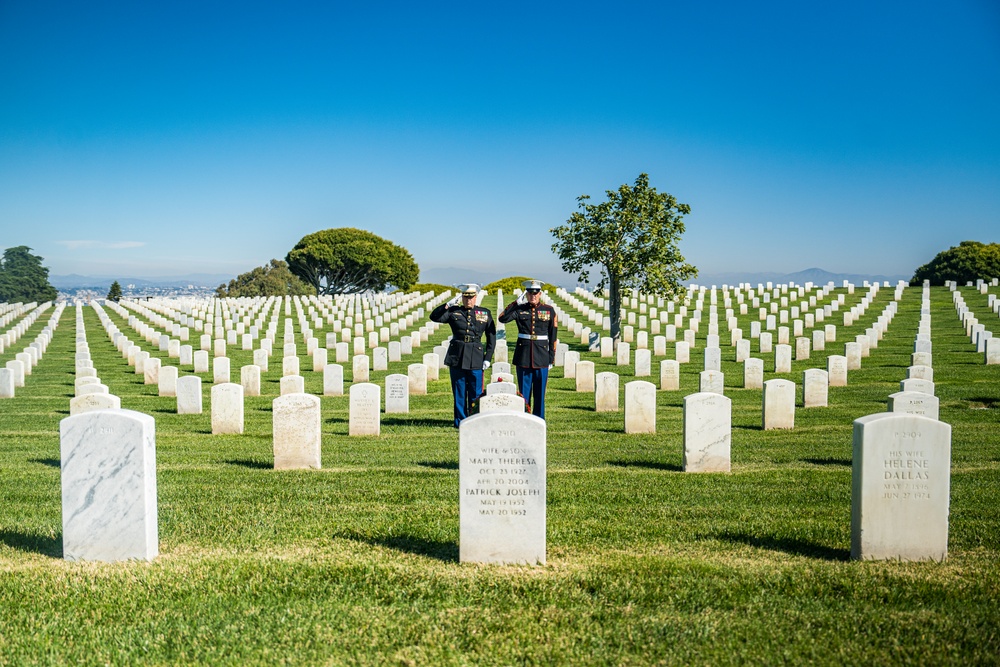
pixel 502 488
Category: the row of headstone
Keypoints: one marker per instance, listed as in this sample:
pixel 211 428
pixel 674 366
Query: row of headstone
pixel 978 334
pixel 810 319
pixel 783 355
pixel 12 335
pixel 220 366
pixel 89 393
pixel 17 369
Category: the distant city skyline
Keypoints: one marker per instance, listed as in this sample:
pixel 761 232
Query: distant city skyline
pixel 159 140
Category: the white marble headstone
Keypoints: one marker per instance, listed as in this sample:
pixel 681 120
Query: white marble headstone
pixel 640 407
pixel 250 379
pixel 707 432
pixel 502 487
pixel 296 425
pixel 227 408
pixel 900 487
pixel 94 401
pixel 501 403
pixel 779 404
pixel 109 486
pixel 365 409
pixel 397 394
pixel 585 376
pixel 914 403
pixel 670 375
pixel 189 395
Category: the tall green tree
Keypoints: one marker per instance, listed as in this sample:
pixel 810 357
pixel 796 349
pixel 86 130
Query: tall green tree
pixel 23 278
pixel 632 237
pixel 272 279
pixel 968 261
pixel 347 260
pixel 115 293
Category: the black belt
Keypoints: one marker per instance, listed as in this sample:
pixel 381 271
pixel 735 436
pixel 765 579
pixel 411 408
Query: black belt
pixel 471 339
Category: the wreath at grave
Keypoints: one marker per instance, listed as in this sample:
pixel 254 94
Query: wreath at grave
pixel 474 408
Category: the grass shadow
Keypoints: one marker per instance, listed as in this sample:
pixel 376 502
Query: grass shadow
pixel 785 545
pixel 440 465
pixel 47 546
pixel 405 420
pixel 421 546
pixel 250 463
pixel 651 465
pixel 62 412
pixel 52 463
pixel 829 461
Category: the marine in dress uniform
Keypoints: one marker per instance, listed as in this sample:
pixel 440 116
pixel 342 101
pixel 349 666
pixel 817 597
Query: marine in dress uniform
pixel 536 343
pixel 467 356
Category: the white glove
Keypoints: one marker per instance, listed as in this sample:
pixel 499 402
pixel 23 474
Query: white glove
pixel 486 365
pixel 523 298
pixel 457 301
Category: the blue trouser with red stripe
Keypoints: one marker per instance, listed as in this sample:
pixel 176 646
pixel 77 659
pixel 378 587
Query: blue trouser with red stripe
pixel 466 387
pixel 531 382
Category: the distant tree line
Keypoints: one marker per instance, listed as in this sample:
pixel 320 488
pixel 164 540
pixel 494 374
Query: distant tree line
pixel 967 262
pixel 23 278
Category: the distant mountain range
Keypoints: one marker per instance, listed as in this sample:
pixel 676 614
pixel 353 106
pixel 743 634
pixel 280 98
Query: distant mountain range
pixel 75 281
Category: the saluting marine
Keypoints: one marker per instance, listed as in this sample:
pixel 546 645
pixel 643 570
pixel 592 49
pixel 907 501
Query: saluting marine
pixel 467 356
pixel 536 343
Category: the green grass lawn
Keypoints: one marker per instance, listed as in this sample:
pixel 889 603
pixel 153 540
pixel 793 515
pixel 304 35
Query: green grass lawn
pixel 357 563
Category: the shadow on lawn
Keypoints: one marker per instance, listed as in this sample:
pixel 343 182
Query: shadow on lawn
pixel 443 551
pixel 829 461
pixel 52 463
pixel 417 421
pixel 250 463
pixel 440 465
pixel 786 545
pixel 47 546
pixel 983 403
pixel 652 465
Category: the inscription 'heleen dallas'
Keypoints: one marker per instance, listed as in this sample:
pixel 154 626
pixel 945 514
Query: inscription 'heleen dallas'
pixel 900 487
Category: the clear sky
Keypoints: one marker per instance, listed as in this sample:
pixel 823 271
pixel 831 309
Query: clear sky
pixel 166 138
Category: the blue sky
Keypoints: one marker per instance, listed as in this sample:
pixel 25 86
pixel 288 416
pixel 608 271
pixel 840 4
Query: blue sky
pixel 150 139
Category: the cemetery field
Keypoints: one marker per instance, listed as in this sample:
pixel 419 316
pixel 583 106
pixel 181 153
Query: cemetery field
pixel 358 562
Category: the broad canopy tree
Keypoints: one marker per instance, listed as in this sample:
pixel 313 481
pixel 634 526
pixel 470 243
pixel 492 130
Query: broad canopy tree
pixel 967 262
pixel 23 278
pixel 632 237
pixel 347 260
